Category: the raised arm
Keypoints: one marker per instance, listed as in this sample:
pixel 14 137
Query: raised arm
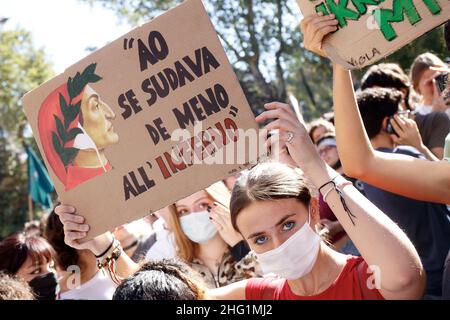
pixel 380 241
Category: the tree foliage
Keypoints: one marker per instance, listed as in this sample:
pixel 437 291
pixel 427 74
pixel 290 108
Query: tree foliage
pixel 264 45
pixel 22 68
pixel 260 37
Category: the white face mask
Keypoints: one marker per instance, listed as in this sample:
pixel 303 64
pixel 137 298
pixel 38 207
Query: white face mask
pixel 295 257
pixel 198 227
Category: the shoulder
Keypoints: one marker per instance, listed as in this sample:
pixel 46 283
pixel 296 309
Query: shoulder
pixel 267 288
pixel 437 121
pixel 440 117
pixel 364 278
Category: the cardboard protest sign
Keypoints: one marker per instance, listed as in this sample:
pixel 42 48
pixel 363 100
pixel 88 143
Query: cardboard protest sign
pixel 370 30
pixel 144 121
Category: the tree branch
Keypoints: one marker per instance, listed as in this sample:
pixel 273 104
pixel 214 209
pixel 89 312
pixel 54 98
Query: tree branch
pixel 230 47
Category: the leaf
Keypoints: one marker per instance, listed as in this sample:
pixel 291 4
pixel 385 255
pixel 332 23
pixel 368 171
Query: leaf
pixel 70 88
pixel 93 78
pixel 74 111
pixel 64 109
pixel 68 155
pixel 73 133
pixel 57 145
pixel 77 84
pixel 60 129
pixel 90 69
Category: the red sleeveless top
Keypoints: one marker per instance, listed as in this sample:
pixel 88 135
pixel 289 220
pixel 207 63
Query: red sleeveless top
pixel 351 284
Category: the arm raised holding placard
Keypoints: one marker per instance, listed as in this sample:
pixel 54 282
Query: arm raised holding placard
pixel 392 172
pixel 104 246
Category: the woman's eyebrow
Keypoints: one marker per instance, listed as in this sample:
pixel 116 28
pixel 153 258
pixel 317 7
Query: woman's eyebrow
pixel 202 198
pixel 256 234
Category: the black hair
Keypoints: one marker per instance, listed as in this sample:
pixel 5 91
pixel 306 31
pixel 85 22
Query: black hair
pixel 54 233
pixel 375 104
pixel 168 279
pixel 387 75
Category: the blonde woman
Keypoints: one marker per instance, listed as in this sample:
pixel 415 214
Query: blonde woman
pixel 206 239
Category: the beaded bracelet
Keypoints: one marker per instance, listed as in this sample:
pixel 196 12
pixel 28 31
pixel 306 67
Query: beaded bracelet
pixel 110 262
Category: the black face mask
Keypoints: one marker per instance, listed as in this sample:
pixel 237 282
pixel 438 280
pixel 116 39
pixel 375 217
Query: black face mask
pixel 44 286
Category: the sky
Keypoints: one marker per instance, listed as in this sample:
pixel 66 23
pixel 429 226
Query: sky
pixel 63 28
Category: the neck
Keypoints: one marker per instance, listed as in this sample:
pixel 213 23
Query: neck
pixel 326 269
pixel 382 141
pixel 90 159
pixel 214 249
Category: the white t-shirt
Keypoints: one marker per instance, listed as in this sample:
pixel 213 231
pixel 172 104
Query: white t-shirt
pixel 424 109
pixel 99 287
pixel 164 247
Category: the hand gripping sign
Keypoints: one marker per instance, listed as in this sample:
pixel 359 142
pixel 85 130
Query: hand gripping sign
pixel 370 30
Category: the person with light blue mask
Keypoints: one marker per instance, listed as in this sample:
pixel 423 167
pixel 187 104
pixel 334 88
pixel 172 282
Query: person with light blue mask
pixel 272 207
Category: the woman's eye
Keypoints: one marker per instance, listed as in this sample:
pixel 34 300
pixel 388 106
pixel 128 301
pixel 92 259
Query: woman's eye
pixel 288 225
pixel 260 240
pixel 182 212
pixel 204 205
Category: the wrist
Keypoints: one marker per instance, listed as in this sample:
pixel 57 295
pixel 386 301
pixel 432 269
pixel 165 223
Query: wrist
pixel 421 147
pixel 338 67
pixel 101 243
pixel 319 173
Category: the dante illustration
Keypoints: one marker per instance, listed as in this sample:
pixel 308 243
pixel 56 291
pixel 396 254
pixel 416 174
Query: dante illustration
pixel 75 129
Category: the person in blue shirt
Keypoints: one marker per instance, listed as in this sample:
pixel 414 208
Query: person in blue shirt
pixel 427 224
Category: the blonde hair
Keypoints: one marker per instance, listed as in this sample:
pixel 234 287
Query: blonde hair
pixel 186 249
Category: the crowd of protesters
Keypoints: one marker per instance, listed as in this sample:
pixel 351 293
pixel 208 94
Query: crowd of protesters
pixel 356 207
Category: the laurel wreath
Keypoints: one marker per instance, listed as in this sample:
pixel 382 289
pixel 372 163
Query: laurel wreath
pixel 70 112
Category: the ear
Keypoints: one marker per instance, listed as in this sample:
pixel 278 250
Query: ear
pixel 384 124
pixel 314 211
